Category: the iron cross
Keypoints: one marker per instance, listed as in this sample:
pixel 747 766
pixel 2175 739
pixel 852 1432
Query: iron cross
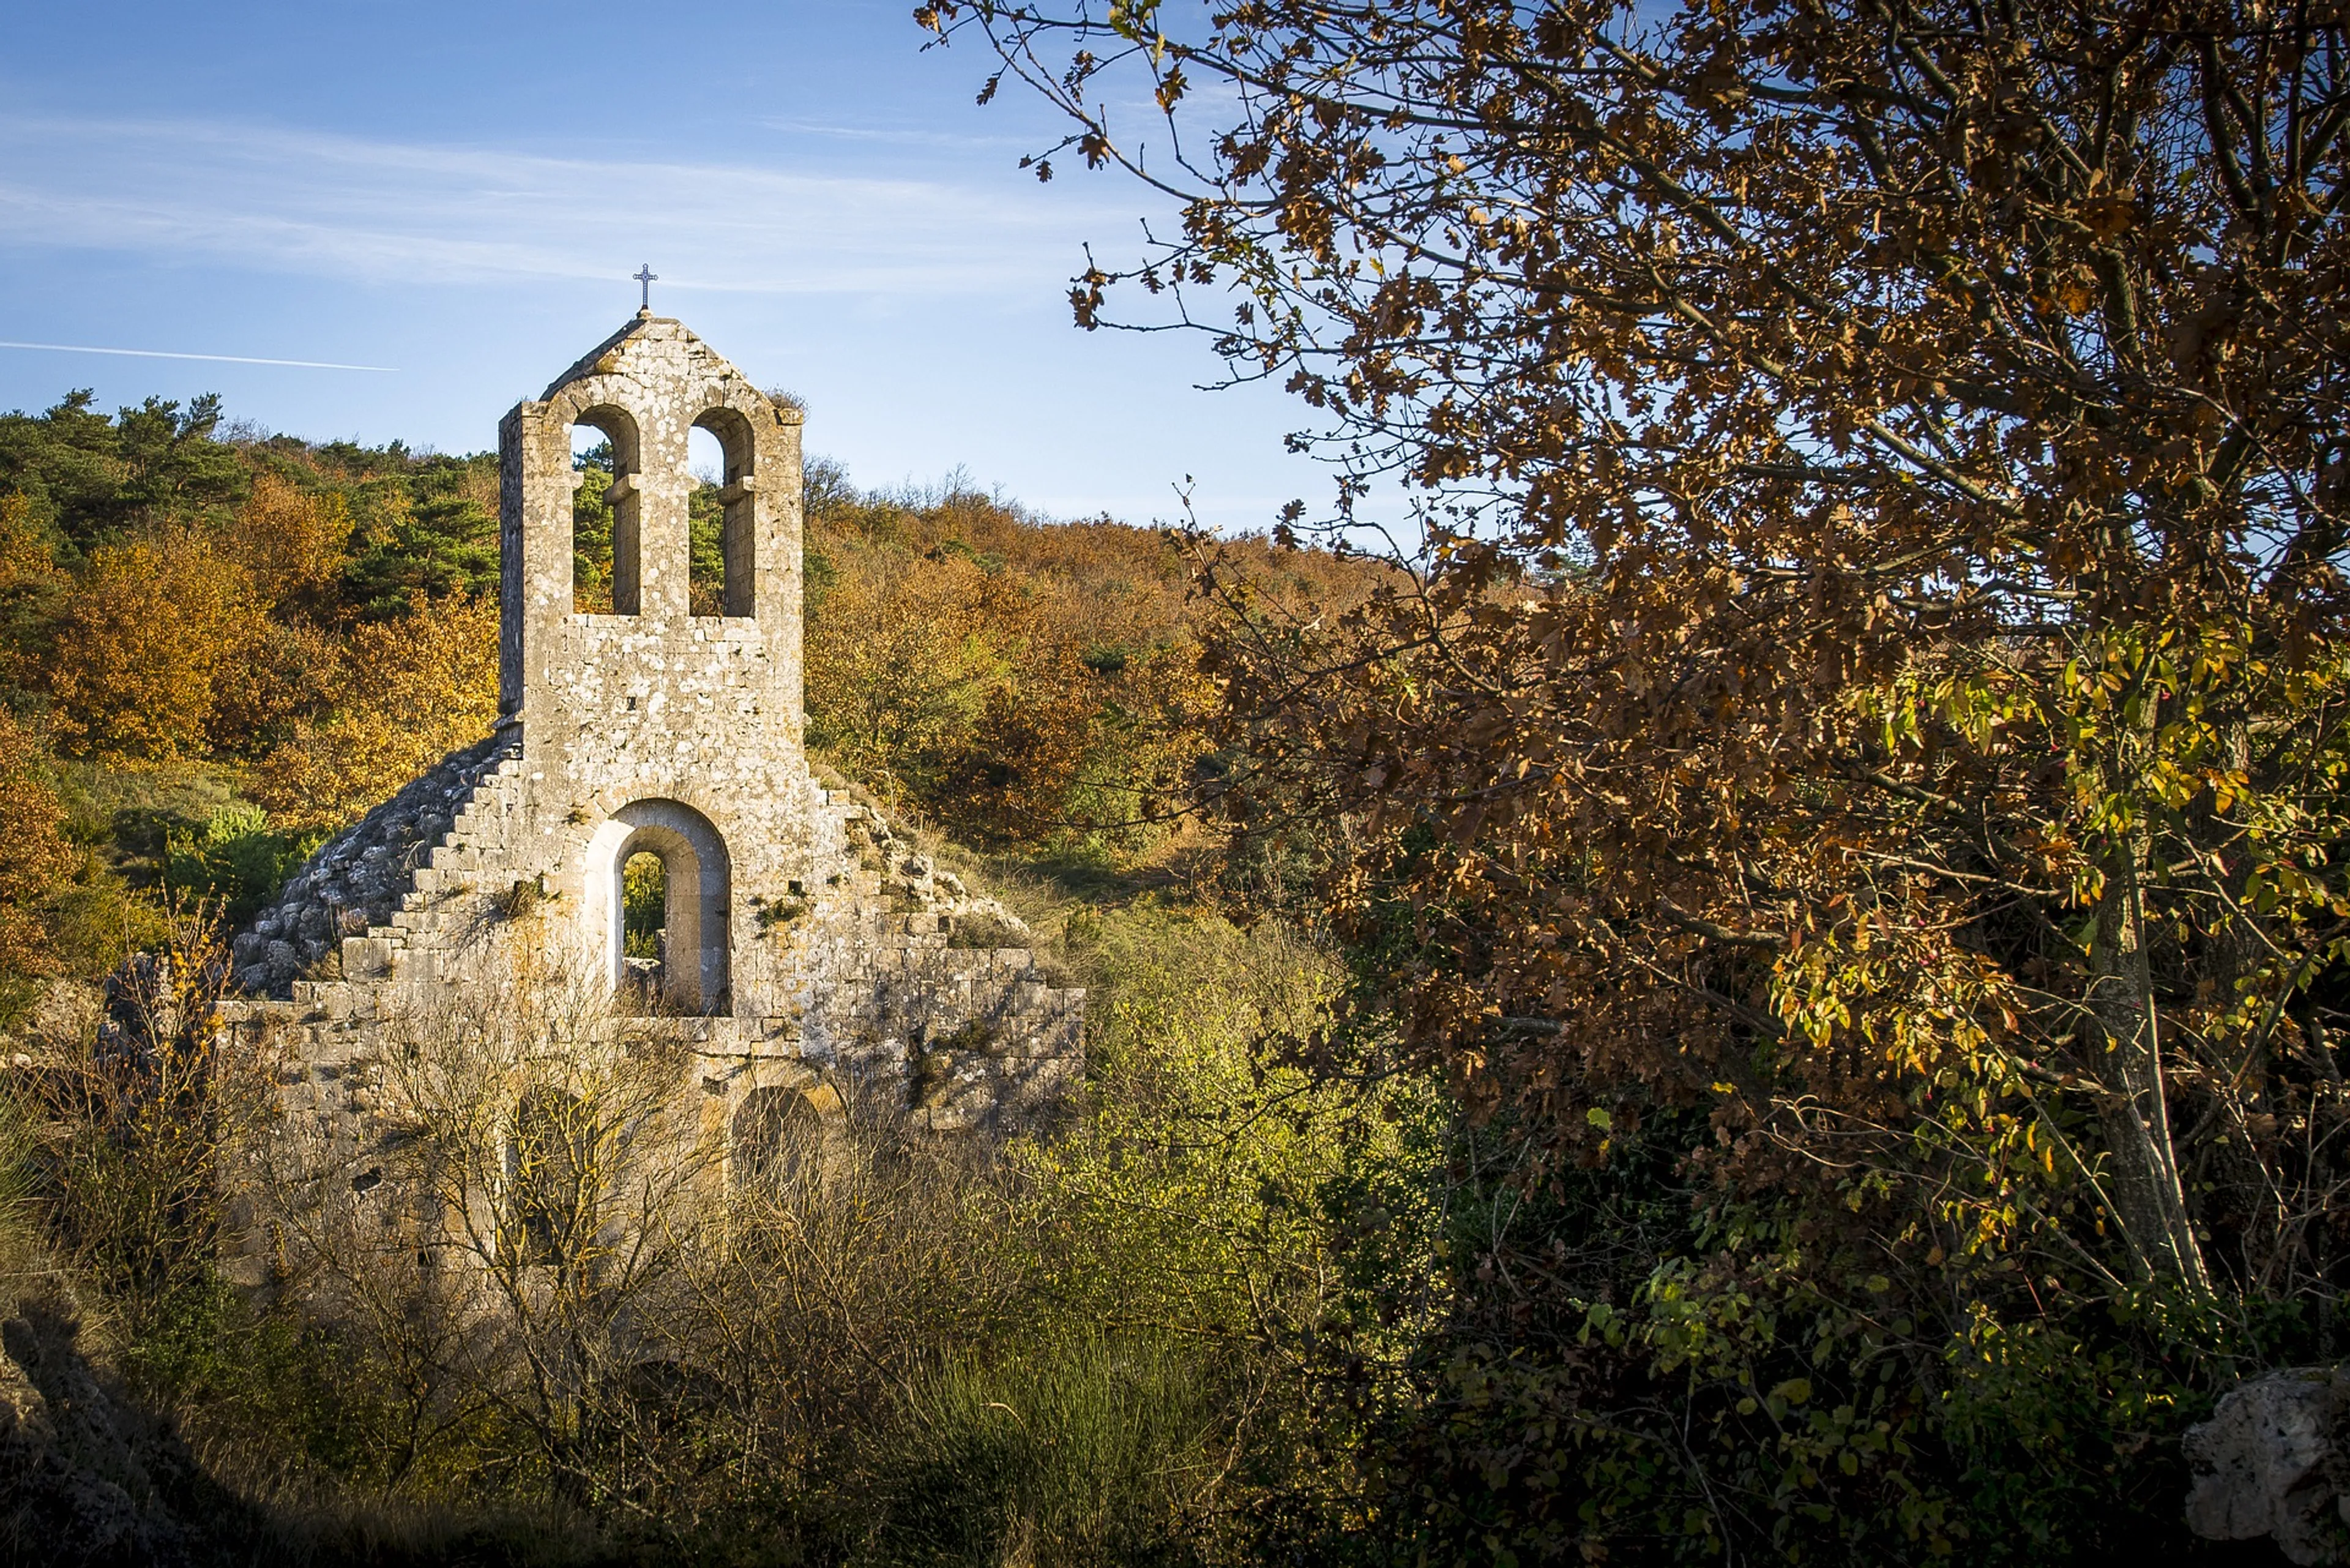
pixel 646 274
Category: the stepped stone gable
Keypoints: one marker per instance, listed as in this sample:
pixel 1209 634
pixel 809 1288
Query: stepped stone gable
pixel 806 945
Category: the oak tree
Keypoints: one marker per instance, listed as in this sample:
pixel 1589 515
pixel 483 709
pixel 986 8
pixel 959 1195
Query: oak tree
pixel 1866 653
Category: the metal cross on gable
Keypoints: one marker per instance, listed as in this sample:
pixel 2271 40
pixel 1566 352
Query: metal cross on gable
pixel 646 276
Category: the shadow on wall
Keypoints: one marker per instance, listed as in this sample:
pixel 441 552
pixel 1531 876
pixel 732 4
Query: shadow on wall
pixel 86 1474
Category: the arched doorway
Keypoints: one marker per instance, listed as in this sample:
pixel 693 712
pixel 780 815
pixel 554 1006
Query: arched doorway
pixel 549 1179
pixel 663 930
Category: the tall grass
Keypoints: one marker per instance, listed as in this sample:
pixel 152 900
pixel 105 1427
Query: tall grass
pixel 1080 1451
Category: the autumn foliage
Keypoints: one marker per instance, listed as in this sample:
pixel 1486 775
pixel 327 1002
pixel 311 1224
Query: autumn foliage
pixel 293 543
pixel 1015 682
pixel 314 626
pixel 190 618
pixel 142 644
pixel 402 695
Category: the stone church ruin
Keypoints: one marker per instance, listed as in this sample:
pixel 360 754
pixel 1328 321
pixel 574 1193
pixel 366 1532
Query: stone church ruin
pixel 804 952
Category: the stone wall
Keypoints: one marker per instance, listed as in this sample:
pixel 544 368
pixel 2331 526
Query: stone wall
pixel 874 974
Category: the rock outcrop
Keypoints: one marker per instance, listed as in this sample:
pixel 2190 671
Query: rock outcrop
pixel 2272 1461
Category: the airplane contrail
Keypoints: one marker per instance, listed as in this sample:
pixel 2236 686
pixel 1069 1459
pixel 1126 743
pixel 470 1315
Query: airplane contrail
pixel 223 359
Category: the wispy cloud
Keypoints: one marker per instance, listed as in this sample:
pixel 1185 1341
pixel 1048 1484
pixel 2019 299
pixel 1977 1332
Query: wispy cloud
pixel 893 136
pixel 171 354
pixel 349 207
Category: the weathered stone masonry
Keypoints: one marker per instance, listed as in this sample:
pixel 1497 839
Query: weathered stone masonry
pixel 809 947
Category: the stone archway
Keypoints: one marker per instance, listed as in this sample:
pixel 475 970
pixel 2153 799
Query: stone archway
pixel 782 1138
pixel 696 976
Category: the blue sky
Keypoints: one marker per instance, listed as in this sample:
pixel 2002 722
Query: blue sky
pixel 459 193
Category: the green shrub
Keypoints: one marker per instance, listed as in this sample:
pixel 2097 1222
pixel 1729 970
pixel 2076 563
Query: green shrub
pixel 237 860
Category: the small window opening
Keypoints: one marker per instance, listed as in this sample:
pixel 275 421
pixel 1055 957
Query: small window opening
pixel 549 1168
pixel 779 1142
pixel 604 527
pixel 722 516
pixel 644 931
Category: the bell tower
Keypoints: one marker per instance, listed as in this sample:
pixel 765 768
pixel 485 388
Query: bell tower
pixel 651 691
pixel 648 728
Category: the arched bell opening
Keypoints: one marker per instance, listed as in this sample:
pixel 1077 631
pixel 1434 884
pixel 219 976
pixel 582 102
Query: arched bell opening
pixel 725 579
pixel 607 532
pixel 663 925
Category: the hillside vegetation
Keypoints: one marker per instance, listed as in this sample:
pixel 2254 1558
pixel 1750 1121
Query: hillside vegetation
pixel 217 646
